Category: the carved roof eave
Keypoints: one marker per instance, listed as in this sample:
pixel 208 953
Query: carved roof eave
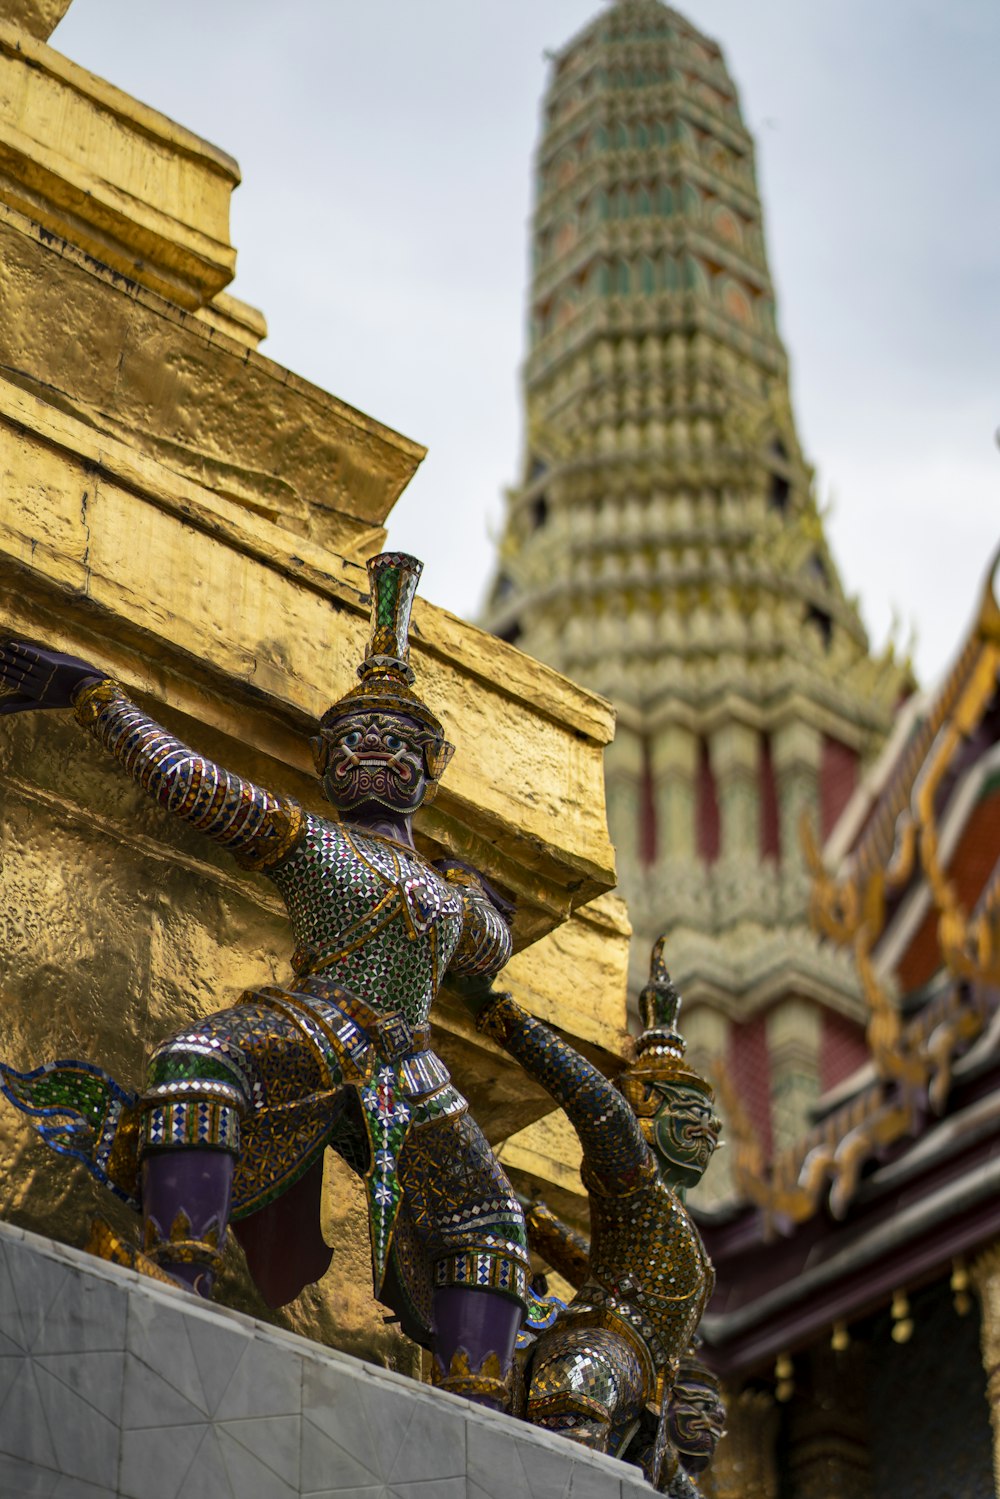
pixel 889 811
pixel 954 825
pixel 912 1062
pixel 912 1217
pixel 822 1171
pixel 898 841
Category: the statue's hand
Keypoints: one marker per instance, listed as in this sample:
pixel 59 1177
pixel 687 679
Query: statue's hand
pixel 31 677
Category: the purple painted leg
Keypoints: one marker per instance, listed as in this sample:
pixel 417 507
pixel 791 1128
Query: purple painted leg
pixel 185 1210
pixel 474 1336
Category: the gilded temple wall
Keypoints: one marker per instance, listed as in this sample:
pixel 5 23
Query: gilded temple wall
pixel 194 518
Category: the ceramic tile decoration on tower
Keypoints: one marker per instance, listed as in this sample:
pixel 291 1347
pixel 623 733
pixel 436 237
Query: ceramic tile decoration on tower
pixel 841 967
pixel 665 547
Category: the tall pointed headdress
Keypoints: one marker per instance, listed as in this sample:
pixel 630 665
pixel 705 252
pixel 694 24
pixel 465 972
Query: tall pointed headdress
pixel 387 677
pixel 659 1051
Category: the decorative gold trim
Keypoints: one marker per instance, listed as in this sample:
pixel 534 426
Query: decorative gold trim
pixel 89 699
pixel 501 1018
pixel 901 831
pixel 916 1058
pixel 487 1382
pixel 287 828
pixel 567 1403
pixel 828 1160
pixel 107 1244
pixel 181 1246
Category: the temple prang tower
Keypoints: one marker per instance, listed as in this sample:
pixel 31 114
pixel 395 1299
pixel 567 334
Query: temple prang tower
pixel 665 547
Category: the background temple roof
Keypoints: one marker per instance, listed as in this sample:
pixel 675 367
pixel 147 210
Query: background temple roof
pixel 879 227
pixel 897 1176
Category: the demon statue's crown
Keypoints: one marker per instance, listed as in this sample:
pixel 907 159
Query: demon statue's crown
pixel 387 678
pixel 659 1051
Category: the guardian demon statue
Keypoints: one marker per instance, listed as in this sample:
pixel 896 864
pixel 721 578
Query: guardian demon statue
pixel 237 1110
pixel 645 1278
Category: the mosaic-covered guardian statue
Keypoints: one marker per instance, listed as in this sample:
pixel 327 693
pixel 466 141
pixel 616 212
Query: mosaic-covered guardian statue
pixel 238 1109
pixel 695 1410
pixel 645 1276
pixel 695 1424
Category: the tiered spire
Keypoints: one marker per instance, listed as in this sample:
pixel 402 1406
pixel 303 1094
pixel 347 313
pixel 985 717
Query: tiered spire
pixel 664 544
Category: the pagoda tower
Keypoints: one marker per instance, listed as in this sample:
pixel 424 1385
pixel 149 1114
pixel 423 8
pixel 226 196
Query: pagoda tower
pixel 665 548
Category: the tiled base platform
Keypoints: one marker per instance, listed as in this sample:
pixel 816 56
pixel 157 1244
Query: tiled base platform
pixel 113 1386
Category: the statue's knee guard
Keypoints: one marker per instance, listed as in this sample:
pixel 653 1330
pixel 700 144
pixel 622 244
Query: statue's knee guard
pixel 584 1382
pixel 198 1087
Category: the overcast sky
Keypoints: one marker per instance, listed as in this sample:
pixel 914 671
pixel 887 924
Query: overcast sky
pixel 382 228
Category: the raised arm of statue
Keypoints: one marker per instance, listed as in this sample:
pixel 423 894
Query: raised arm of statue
pixel 258 827
pixel 560 1246
pixel 612 1140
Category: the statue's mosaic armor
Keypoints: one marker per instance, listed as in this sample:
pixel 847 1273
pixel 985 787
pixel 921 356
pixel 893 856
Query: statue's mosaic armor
pixel 683 1486
pixel 617 1344
pixel 272 1079
pixel 239 1107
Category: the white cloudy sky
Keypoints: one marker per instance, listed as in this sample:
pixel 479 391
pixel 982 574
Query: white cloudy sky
pixel 382 227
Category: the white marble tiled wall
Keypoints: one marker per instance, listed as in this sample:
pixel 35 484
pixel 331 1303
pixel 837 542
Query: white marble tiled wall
pixel 112 1385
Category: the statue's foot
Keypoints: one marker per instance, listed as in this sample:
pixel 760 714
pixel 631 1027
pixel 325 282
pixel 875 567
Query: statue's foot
pixel 108 1244
pixel 487 1385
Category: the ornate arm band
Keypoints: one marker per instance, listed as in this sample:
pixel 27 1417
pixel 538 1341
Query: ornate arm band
pixel 257 826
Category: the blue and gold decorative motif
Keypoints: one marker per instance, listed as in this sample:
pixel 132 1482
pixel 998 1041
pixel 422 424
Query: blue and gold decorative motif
pixel 80 1111
pixel 199 1121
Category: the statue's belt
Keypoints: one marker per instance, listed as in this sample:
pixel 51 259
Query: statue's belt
pixel 389 1063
